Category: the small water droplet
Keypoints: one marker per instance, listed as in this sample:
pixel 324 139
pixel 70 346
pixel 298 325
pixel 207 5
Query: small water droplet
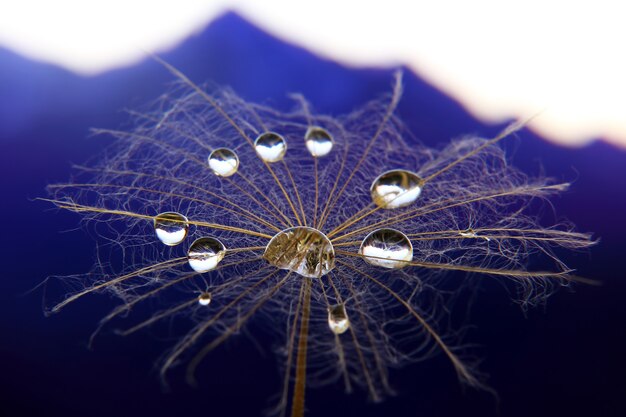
pixel 171 228
pixel 388 248
pixel 396 188
pixel 270 146
pixel 205 253
pixel 470 233
pixel 338 319
pixel 204 299
pixel 318 141
pixel 223 162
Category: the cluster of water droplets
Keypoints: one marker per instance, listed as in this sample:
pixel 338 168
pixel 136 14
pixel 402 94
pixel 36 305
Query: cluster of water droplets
pixel 303 250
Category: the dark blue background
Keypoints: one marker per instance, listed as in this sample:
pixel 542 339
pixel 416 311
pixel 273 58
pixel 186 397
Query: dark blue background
pixel 567 359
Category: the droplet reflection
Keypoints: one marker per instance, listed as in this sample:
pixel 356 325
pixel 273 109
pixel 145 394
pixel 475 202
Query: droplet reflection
pixel 318 141
pixel 204 299
pixel 388 248
pixel 303 250
pixel 338 319
pixel 396 188
pixel 270 146
pixel 223 162
pixel 205 253
pixel 171 228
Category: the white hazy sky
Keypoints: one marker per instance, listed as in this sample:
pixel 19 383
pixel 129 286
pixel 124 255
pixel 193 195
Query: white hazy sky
pixel 501 59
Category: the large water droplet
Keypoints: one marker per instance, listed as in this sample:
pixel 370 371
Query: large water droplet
pixel 338 319
pixel 318 141
pixel 270 146
pixel 303 250
pixel 388 248
pixel 204 299
pixel 205 253
pixel 171 228
pixel 223 162
pixel 396 188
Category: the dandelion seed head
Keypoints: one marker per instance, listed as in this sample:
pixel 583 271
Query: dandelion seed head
pixel 331 232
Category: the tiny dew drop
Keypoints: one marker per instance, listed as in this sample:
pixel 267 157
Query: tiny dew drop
pixel 338 319
pixel 270 146
pixel 205 253
pixel 470 233
pixel 171 228
pixel 318 141
pixel 223 162
pixel 204 299
pixel 387 248
pixel 396 188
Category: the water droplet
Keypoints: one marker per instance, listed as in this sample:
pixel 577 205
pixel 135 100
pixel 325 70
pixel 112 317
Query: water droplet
pixel 303 250
pixel 388 248
pixel 396 188
pixel 318 141
pixel 171 228
pixel 223 162
pixel 338 319
pixel 204 299
pixel 470 233
pixel 205 253
pixel 270 146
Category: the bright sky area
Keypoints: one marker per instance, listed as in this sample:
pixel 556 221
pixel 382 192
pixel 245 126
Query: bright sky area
pixel 500 59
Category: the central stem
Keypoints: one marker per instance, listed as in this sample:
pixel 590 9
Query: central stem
pixel 297 403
